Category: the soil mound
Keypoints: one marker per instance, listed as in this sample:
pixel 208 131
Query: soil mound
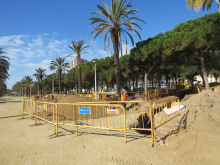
pixel 204 108
pixel 202 134
pixel 75 99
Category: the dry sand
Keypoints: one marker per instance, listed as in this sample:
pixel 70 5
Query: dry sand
pixel 23 143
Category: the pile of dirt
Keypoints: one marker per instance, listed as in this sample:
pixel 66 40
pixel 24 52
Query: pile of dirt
pixel 204 108
pixel 202 133
pixel 75 99
pixel 47 99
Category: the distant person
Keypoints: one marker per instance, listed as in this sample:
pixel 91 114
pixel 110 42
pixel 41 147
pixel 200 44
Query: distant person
pixel 124 97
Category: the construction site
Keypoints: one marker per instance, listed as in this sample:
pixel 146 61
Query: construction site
pixel 162 130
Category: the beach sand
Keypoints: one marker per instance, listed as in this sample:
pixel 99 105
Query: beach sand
pixel 21 142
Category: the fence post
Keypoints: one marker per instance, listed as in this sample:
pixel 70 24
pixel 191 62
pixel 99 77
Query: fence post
pixel 35 112
pixel 57 111
pixel 54 119
pixel 179 107
pixel 76 119
pixel 22 109
pixel 125 130
pixel 152 125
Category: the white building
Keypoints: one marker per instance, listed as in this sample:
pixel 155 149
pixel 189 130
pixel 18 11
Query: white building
pixel 211 79
pixel 73 63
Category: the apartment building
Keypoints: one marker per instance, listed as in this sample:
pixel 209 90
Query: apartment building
pixel 73 62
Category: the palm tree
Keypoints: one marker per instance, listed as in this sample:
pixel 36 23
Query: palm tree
pixel 198 4
pixel 40 75
pixel 59 65
pixel 117 25
pixel 77 47
pixel 4 67
pixel 27 81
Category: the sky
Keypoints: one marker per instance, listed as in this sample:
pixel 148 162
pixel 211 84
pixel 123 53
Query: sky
pixel 35 32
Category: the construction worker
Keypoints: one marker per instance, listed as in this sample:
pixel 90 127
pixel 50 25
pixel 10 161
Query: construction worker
pixel 124 97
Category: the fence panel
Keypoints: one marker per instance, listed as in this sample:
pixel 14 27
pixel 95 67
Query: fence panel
pixel 113 115
pixel 138 115
pixel 96 116
pixel 46 111
pixel 28 107
pixel 164 111
pixel 216 89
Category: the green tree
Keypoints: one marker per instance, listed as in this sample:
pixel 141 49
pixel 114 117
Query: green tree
pixel 27 81
pixel 59 65
pixel 198 4
pixel 197 38
pixel 40 75
pixel 70 79
pixel 117 26
pixel 4 67
pixel 77 47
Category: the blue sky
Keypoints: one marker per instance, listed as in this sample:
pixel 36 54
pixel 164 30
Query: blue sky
pixel 34 32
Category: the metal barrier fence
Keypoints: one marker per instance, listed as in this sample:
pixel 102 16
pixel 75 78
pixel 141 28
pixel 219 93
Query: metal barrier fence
pixel 214 89
pixel 164 111
pixel 92 95
pixel 113 115
pixel 28 107
pixel 151 94
pixel 99 95
pixel 138 115
pixel 96 116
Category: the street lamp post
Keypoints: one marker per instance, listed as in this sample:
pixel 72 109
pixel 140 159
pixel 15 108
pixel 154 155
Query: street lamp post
pixel 38 89
pixel 95 81
pixel 52 86
pixel 30 90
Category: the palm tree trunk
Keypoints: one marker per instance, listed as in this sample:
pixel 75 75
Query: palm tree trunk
pixel 116 60
pixel 60 82
pixel 205 77
pixel 218 1
pixel 41 89
pixel 79 73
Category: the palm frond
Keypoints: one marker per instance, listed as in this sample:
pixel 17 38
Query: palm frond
pixel 95 20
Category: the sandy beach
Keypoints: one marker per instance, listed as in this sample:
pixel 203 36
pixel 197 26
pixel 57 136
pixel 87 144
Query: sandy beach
pixel 21 142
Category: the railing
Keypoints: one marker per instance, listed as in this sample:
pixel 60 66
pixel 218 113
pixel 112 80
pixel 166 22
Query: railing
pixel 138 115
pixel 28 107
pixel 113 115
pixel 164 111
pixel 214 89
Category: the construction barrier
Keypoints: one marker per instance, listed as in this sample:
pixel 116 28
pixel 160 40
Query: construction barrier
pixel 95 116
pixel 113 115
pixel 28 107
pixel 153 93
pixel 214 89
pixel 164 111
pixel 138 115
pixel 99 95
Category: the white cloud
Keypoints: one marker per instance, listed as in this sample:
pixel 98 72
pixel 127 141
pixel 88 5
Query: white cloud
pixel 54 33
pixel 102 53
pixel 14 40
pixel 53 46
pixel 38 41
pixel 29 52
